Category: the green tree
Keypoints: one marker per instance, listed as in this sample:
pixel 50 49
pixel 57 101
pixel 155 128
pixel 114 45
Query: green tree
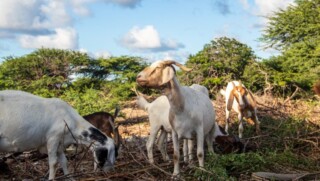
pixel 297 23
pixel 44 71
pixel 222 60
pixel 295 32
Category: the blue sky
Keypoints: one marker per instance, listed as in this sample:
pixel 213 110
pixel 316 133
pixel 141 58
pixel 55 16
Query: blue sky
pixel 152 29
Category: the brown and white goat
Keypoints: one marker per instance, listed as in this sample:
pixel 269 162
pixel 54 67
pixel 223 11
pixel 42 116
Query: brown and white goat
pixel 105 122
pixel 241 100
pixel 191 112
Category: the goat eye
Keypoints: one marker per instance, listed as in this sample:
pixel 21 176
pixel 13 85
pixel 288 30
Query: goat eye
pixel 154 70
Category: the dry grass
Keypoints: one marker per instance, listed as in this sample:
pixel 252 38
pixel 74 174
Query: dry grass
pixel 132 162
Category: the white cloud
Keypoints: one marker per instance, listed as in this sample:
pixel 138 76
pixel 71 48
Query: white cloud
pixel 99 54
pixel 264 9
pixel 46 23
pixel 102 54
pixel 80 7
pixel 267 8
pixel 32 16
pixel 179 56
pixel 148 39
pixel 63 38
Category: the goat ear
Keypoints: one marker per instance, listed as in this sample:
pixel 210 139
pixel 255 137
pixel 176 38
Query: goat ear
pixel 253 101
pixel 167 74
pixel 230 100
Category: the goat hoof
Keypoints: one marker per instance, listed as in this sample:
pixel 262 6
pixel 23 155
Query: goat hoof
pixel 175 177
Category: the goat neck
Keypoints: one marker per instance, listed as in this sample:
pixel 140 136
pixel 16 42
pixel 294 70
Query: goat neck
pixel 173 92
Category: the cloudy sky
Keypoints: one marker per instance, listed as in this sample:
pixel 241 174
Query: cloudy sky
pixel 153 29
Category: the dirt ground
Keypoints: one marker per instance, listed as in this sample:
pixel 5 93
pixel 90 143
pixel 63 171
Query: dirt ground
pixel 132 163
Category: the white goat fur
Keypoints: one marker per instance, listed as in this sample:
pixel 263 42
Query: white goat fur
pixel 191 112
pixel 158 112
pixel 243 104
pixel 49 124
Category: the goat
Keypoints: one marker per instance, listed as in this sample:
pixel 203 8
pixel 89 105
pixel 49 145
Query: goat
pixel 158 113
pixel 191 112
pixel 30 122
pixel 105 122
pixel 244 104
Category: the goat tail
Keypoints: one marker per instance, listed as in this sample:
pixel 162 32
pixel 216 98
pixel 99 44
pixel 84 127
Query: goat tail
pixel 143 103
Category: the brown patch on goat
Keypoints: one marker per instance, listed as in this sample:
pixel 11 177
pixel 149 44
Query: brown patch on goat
pixel 101 121
pixel 175 158
pixel 229 144
pixel 316 87
pixel 250 120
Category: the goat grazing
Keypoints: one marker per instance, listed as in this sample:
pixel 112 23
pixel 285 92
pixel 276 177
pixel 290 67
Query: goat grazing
pixel 191 112
pixel 241 100
pixel 49 124
pixel 105 122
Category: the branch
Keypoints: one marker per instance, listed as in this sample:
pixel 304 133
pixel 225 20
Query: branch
pixel 293 94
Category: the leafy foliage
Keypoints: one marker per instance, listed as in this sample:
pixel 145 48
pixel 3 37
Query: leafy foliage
pixel 295 32
pixel 88 84
pixel 222 60
pixel 295 24
pixel 43 71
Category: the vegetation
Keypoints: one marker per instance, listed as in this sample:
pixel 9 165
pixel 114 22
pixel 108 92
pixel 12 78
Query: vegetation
pixel 295 32
pixel 291 132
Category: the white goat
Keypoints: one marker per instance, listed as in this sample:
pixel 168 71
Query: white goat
pixel 49 124
pixel 244 104
pixel 191 112
pixel 158 112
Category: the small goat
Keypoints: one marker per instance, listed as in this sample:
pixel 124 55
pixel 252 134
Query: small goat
pixel 49 124
pixel 105 122
pixel 241 100
pixel 191 112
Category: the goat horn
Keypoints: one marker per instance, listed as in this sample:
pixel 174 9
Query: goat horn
pixel 170 62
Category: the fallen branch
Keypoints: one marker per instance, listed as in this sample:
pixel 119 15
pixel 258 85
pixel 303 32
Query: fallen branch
pixel 280 176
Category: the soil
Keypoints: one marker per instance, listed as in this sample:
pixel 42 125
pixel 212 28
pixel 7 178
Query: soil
pixel 132 163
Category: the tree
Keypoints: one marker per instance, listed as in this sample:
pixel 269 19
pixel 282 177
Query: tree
pixel 297 23
pixel 295 32
pixel 222 60
pixel 44 71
